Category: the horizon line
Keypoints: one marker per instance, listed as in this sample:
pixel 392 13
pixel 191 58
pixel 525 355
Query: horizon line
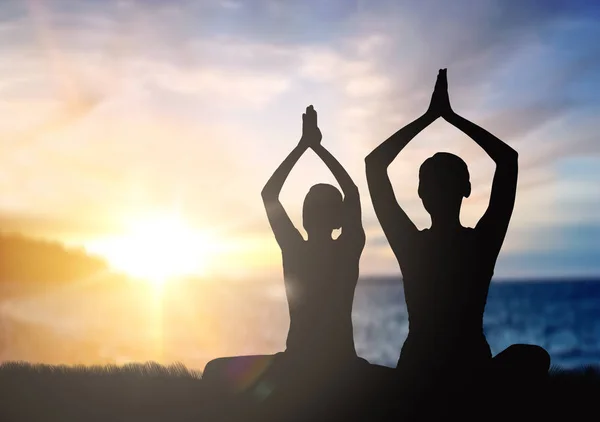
pixel 505 279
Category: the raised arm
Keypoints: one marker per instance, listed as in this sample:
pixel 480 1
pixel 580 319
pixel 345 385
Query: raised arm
pixel 352 223
pixel 284 230
pixel 349 189
pixel 496 219
pixel 396 225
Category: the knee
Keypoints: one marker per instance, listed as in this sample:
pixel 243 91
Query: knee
pixel 542 357
pixel 536 354
pixel 529 355
pixel 210 368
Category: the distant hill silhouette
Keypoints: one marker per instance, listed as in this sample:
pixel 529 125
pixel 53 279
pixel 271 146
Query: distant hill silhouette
pixel 25 260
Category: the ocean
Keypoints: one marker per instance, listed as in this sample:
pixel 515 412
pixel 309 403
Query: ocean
pixel 195 321
pixel 561 316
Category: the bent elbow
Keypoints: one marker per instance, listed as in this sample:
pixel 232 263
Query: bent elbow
pixel 269 197
pixel 377 159
pixel 514 159
pixel 375 169
pixel 372 161
pixel 266 194
pixel 509 158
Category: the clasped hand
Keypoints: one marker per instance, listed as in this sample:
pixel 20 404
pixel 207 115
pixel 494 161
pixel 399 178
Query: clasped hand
pixel 440 101
pixel 311 134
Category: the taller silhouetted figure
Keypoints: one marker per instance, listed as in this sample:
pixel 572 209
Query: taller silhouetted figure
pixel 320 272
pixel 446 268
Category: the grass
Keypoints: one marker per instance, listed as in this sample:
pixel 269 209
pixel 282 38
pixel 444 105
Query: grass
pixel 134 392
pixel 152 392
pixel 574 390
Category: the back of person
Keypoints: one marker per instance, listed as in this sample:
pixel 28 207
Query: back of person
pixel 446 278
pixel 320 281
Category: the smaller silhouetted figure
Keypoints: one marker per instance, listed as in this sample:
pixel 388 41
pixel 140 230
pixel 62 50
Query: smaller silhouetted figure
pixel 319 373
pixel 447 268
pixel 320 273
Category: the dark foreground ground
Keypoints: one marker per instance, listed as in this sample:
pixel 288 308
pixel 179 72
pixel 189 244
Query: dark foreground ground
pixel 151 392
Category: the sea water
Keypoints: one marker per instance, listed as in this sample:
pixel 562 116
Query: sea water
pixel 561 316
pixel 200 320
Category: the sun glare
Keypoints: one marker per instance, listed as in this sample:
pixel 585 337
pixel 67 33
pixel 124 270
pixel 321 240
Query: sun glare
pixel 156 249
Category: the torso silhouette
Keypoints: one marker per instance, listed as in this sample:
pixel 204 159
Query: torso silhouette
pixel 320 280
pixel 446 279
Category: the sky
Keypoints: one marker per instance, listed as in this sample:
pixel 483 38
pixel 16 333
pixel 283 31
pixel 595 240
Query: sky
pixel 115 111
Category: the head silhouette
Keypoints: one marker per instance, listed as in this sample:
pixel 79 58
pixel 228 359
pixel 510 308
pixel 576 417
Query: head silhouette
pixel 322 210
pixel 443 183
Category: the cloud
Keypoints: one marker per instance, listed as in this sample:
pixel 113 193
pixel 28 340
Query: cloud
pixel 231 88
pixel 230 4
pixel 193 104
pixel 568 250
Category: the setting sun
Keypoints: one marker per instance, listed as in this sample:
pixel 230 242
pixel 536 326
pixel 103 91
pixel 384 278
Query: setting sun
pixel 156 249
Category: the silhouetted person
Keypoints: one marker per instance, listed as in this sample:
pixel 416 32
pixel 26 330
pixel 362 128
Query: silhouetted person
pixel 447 268
pixel 320 273
pixel 319 372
